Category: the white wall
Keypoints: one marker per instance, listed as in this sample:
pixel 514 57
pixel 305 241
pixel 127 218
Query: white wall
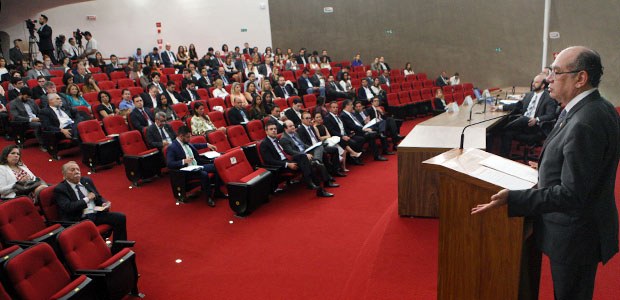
pixel 124 25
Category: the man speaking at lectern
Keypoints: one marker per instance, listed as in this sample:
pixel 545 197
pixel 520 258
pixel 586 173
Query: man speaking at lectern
pixel 576 219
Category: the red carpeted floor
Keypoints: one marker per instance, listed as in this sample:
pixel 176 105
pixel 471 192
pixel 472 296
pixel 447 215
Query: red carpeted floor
pixel 298 246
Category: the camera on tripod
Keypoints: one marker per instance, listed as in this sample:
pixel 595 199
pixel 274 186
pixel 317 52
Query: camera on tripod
pixel 30 25
pixel 77 34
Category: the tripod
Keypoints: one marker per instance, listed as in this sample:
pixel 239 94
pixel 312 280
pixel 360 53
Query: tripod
pixel 32 42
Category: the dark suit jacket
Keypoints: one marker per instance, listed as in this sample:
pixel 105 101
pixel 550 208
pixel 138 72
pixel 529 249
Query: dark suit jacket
pixel 37 92
pixel 137 119
pixel 202 83
pixel 439 82
pixel 349 124
pixel 545 109
pixel 361 94
pixel 49 120
pixel 302 85
pixel 45 38
pixel 292 115
pixel 235 117
pixel 16 55
pixel 303 134
pixel 154 138
pixel 370 112
pixel 175 154
pixel 262 69
pixel 290 147
pixel 166 59
pixel 185 94
pixel 315 80
pixel 270 155
pixel 176 95
pixel 155 57
pixel 280 92
pixel 148 101
pixel 280 127
pixel 240 65
pixel 18 109
pixel 69 206
pixel 574 203
pixel 332 125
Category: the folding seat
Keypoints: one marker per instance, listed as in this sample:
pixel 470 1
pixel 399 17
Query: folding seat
pixel 298 73
pixel 49 209
pixel 424 103
pixel 406 86
pixel 100 77
pixel 135 90
pixel 199 139
pixel 57 81
pixel 237 137
pixel 85 252
pixel 290 100
pixel 448 98
pixel 176 124
pixel 115 125
pixel 219 140
pixel 256 130
pixel 418 85
pixel 57 73
pixel 203 94
pixel 97 148
pixel 399 78
pixel 288 75
pixel 395 72
pixel 281 103
pixel 247 188
pixel 117 75
pixel 359 69
pixel 457 88
pixel 447 89
pixel 422 76
pixel 411 78
pixel 335 70
pixel 468 86
pixel 175 77
pixel 164 79
pixel 458 97
pixel 21 224
pixel 217 118
pixel 106 85
pixel 213 102
pixel 181 184
pixel 309 100
pixel 427 94
pixel 56 141
pixel 325 72
pixel 469 93
pixel 168 71
pixel 434 91
pixel 124 83
pixel 279 174
pixel 32 83
pixel 395 107
pixel 20 131
pixel 405 100
pixel 91 98
pixel 37 273
pixel 345 63
pixel 140 162
pixel 416 96
pixel 94 70
pixel 395 88
pixel 428 83
pixel 181 110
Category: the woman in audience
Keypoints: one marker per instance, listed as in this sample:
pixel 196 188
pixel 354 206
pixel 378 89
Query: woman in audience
pixel 225 50
pixel 231 69
pixel 182 56
pixel 345 83
pixel 145 78
pixel 380 92
pixel 277 63
pixel 323 134
pixel 235 91
pixel 357 61
pixel 136 72
pixel 291 64
pixel 257 112
pixel 12 171
pixel 67 79
pixel 219 91
pixel 90 85
pixel 66 64
pixel 99 61
pixel 376 65
pixel 325 64
pixel 126 105
pixel 273 79
pixel 201 124
pixel 439 102
pixel 314 64
pixel 280 55
pixel 267 89
pixel 408 70
pixel 75 96
pixel 320 107
pixel 193 55
pixel 251 93
pixel 162 106
pixel 267 102
pixel 256 59
pixel 148 61
pixel 106 108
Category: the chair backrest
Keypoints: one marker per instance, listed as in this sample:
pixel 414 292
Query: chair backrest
pixel 19 219
pixel 309 100
pixel 106 84
pixel 237 136
pixel 91 97
pixel 213 102
pixel 256 130
pixel 118 75
pixel 90 131
pixel 392 99
pixel 100 77
pixel 37 273
pixel 181 110
pixel 94 70
pixel 115 125
pixel 218 138
pixel 136 90
pixel 48 205
pixel 126 83
pixel 203 93
pixel 422 76
pixel 427 93
pixel 132 143
pixel 217 118
pixel 281 103
pixel 175 124
pixel 82 246
pixel 232 166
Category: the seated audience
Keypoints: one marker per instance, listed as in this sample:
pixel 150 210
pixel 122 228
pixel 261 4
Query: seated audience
pixel 24 109
pixel 284 90
pixel 13 171
pixel 189 91
pixel 257 111
pixel 455 80
pixel 323 135
pixel 140 117
pixel 237 114
pixel 442 80
pixel 163 107
pixel 159 134
pixel 408 70
pixel 106 108
pixel 126 105
pixel 90 84
pixel 59 118
pixel 220 91
pixel 75 96
pixel 201 123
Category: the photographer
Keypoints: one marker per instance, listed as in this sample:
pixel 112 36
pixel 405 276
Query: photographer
pixel 91 47
pixel 45 39
pixel 70 49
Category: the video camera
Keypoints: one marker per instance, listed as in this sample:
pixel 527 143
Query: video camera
pixel 77 34
pixel 30 25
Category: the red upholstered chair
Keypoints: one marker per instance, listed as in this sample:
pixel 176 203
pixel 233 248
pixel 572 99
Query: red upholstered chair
pixel 213 102
pixel 309 100
pixel 175 124
pixel 256 130
pixel 199 139
pixel 115 125
pixel 448 98
pixel 21 223
pixel 168 71
pixel 116 75
pixel 290 100
pixel 457 88
pixel 49 208
pixel 36 273
pixel 85 252
pixel 100 77
pixel 106 85
pixel 468 86
pixel 247 188
pixel 136 90
pixel 218 138
pixel 422 76
pixel 203 93
pixel 428 83
pixel 427 94
pixel 94 70
pixel 237 136
pixel 281 103
pixel 124 83
pixel 57 73
pixel 458 97
pixel 181 110
pixel 447 89
pixel 97 148
pixel 217 118
pixel 140 162
pixel 91 98
pixel 280 174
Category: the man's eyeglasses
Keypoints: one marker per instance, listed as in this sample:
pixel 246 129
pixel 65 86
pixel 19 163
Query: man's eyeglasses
pixel 554 73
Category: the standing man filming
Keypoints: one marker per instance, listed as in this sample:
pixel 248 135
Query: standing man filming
pixel 45 39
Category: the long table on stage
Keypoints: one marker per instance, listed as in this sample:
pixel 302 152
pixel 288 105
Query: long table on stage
pixel 418 190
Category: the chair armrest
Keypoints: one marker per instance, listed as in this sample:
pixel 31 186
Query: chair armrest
pixel 125 244
pixel 62 223
pixel 23 244
pixel 93 273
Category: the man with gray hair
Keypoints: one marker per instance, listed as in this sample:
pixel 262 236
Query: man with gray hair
pixel 159 134
pixel 58 118
pixel 50 88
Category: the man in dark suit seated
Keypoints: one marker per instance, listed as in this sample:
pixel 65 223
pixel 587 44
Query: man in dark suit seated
pixel 265 68
pixel 113 65
pixel 308 136
pixel 334 91
pixel 385 124
pixel 365 93
pixel 283 90
pixel 305 86
pixel 576 219
pixel 276 119
pixel 204 82
pixel 335 126
pixel 442 80
pixel 237 114
pixel 151 97
pixel 172 95
pixel 294 113
pixel 39 90
pixel 351 124
pixel 18 84
pixel 58 118
pixel 140 117
pixel 274 154
pixel 183 154
pixel 189 90
pixel 15 54
pixel 528 115
pixel 160 133
pixel 78 199
pixel 23 109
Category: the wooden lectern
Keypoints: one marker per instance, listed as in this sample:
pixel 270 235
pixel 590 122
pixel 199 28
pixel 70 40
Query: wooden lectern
pixel 479 255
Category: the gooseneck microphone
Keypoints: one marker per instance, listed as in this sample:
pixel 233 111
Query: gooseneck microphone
pixel 463 132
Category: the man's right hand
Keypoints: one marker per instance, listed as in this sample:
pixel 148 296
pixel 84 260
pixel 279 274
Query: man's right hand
pixel 66 132
pixel 187 161
pixel 293 166
pixel 345 138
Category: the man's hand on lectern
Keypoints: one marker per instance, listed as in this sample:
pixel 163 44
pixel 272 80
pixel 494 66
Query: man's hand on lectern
pixel 497 200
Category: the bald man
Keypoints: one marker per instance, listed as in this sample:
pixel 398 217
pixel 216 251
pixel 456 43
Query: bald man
pixel 573 205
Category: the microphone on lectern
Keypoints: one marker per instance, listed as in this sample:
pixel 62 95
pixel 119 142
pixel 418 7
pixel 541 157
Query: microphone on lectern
pixel 463 132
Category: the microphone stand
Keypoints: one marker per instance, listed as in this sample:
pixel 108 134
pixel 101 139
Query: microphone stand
pixel 463 132
pixel 471 109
